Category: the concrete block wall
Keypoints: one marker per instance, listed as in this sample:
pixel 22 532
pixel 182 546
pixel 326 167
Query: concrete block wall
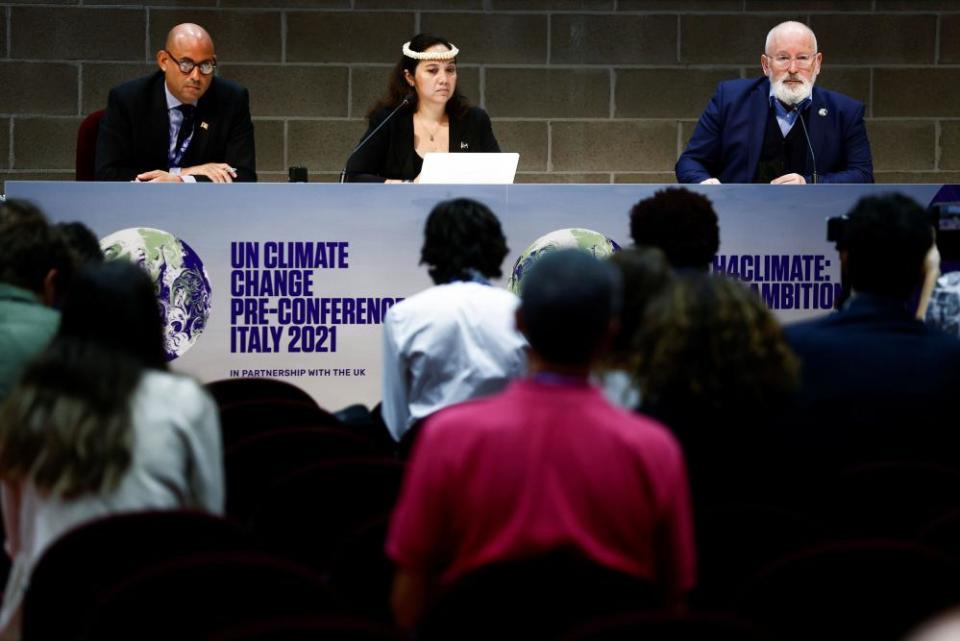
pixel 585 90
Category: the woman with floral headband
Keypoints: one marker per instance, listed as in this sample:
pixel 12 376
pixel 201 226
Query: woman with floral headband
pixel 432 116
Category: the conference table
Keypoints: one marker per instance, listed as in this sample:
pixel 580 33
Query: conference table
pixel 292 281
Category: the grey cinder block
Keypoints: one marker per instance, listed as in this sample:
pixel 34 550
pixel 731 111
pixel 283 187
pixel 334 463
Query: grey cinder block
pixel 727 39
pixel 293 90
pixel 99 78
pixel 61 33
pixel 666 93
pixel 876 40
pixel 350 37
pixel 268 135
pixel 322 145
pixel 950 145
pixel 45 143
pixel 916 93
pixel 22 93
pixel 239 36
pixel 618 146
pixel 527 138
pixel 902 144
pixel 613 39
pixel 491 38
pixel 548 93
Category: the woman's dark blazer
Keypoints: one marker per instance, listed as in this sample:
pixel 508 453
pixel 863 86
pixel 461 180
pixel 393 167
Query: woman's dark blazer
pixel 390 153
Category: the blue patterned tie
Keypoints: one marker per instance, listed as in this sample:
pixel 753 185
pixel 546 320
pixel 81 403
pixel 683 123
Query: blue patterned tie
pixel 186 129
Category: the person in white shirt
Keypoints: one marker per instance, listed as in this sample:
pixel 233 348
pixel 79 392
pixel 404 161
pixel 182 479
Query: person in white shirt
pixel 458 340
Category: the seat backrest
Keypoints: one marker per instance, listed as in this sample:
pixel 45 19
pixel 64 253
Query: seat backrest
pixel 893 500
pixel 875 590
pixel 633 626
pixel 192 598
pixel 306 513
pixel 86 166
pixel 93 557
pixel 736 540
pixel 361 575
pixel 242 419
pixel 539 597
pixel 233 390
pixel 338 627
pixel 254 463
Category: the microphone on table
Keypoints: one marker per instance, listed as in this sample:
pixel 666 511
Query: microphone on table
pixel 403 103
pixel 813 157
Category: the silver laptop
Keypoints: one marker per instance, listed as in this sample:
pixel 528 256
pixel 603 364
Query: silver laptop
pixel 469 169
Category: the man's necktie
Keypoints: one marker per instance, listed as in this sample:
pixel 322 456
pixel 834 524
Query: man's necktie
pixel 186 128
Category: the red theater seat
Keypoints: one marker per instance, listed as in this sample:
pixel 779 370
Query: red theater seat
pixel 87 146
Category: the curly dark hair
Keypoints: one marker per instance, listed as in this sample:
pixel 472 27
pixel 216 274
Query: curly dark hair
pixel 398 89
pixel 645 273
pixel 708 347
pixel 462 235
pixel 681 223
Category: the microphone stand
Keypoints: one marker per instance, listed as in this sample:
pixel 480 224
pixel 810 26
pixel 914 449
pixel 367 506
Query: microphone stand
pixel 366 139
pixel 809 145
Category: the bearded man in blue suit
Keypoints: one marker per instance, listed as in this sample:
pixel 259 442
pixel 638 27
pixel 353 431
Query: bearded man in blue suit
pixel 750 132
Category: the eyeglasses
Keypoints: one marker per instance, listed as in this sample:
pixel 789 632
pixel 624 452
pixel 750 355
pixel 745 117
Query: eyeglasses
pixel 187 65
pixel 804 60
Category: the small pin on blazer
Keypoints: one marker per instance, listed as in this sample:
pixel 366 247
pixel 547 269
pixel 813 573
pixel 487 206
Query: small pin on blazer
pixel 823 111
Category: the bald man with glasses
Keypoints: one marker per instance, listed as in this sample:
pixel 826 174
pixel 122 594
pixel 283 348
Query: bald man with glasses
pixel 780 128
pixel 180 124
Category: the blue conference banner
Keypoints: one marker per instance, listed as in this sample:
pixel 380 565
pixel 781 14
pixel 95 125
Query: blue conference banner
pixel 292 281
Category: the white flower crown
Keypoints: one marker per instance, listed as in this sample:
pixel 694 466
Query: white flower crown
pixel 430 55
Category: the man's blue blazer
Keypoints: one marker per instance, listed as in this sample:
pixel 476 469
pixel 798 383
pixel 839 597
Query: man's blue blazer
pixel 727 141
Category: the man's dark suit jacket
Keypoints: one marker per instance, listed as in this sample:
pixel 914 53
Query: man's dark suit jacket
pixel 727 141
pixel 877 385
pixel 134 133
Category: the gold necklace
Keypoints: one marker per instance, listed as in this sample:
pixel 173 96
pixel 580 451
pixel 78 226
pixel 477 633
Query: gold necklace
pixel 423 124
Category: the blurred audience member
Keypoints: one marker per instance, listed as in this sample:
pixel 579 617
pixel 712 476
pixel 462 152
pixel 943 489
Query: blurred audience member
pixel 680 223
pixel 877 383
pixel 644 272
pixel 713 365
pixel 943 627
pixel 97 425
pixel 34 262
pixel 943 312
pixel 548 464
pixel 457 340
pixel 82 242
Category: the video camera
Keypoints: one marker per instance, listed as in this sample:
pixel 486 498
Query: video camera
pixel 944 218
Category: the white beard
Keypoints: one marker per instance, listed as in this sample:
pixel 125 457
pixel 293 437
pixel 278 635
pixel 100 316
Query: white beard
pixel 792 94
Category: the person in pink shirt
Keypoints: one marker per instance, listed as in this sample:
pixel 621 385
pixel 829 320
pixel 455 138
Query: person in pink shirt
pixel 548 464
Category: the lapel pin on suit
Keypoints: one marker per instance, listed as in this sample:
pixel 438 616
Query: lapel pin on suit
pixel 464 145
pixel 205 126
pixel 823 111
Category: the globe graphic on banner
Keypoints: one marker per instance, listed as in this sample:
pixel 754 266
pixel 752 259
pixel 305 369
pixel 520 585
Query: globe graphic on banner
pixel 574 238
pixel 183 287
